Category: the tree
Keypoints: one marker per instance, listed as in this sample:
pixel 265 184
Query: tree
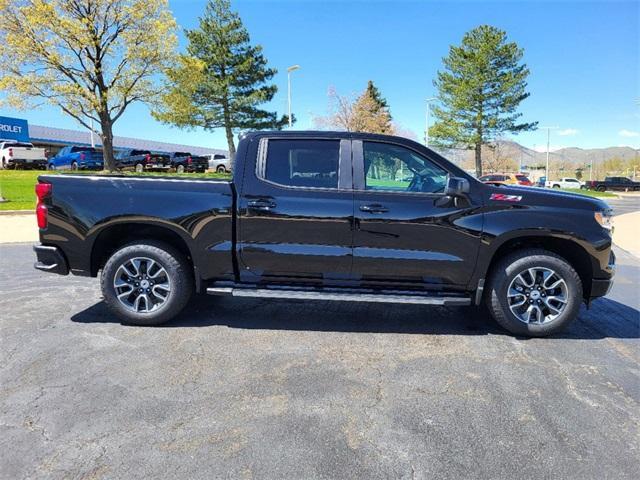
pixel 92 59
pixel 480 89
pixel 369 112
pixel 221 80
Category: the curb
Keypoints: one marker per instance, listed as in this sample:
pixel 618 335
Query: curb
pixel 17 212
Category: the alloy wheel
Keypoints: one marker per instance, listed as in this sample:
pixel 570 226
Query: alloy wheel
pixel 537 295
pixel 142 285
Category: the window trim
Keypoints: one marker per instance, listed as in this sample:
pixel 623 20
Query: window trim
pixel 344 155
pixel 359 181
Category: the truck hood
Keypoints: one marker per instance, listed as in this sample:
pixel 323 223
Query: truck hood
pixel 542 197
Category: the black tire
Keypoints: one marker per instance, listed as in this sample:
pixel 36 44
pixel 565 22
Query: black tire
pixel 221 169
pixel 601 188
pixel 178 271
pixel 74 166
pixel 556 186
pixel 180 169
pixel 515 263
pixel 51 166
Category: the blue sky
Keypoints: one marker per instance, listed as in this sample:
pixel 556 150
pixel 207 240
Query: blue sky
pixel 583 57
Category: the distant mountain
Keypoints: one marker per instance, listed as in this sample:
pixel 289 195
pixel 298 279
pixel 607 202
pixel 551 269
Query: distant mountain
pixel 571 156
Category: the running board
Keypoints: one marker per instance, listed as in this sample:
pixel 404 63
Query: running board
pixel 338 296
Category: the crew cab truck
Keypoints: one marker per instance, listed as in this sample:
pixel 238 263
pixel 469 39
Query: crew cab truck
pixel 613 183
pixel 565 182
pixel 323 216
pixel 142 160
pixel 183 162
pixel 16 155
pixel 76 157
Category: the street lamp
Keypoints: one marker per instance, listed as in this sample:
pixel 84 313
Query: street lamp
pixel 292 68
pixel 426 131
pixel 546 171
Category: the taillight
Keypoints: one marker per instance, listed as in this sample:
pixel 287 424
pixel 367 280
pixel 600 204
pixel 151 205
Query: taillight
pixel 147 157
pixel 43 190
pixel 11 152
pixel 189 160
pixel 82 157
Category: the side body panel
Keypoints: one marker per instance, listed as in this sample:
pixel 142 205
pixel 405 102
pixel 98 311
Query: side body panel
pixel 199 211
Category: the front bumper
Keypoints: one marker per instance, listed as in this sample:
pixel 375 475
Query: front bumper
pixel 602 286
pixel 50 259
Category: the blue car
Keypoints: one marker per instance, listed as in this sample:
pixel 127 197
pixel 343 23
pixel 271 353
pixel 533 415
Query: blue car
pixel 76 158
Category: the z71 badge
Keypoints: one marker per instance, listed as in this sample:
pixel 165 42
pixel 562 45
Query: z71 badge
pixel 505 198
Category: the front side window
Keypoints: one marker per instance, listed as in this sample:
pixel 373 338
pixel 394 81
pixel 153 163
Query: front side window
pixel 394 168
pixel 303 163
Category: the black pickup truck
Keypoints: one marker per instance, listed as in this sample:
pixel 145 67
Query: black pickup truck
pixel 330 216
pixel 142 160
pixel 183 162
pixel 623 184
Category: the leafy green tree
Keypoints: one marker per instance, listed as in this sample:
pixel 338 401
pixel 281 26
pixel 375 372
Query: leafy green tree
pixel 92 59
pixel 479 91
pixel 222 79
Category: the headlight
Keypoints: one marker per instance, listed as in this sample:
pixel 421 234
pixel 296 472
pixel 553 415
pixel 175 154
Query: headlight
pixel 604 219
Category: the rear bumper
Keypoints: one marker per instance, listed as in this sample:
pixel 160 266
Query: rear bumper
pixel 23 162
pixel 50 259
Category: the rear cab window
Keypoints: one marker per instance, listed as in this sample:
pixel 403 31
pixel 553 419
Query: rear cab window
pixel 302 163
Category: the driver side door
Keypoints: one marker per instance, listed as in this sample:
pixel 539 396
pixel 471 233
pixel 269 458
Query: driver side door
pixel 406 230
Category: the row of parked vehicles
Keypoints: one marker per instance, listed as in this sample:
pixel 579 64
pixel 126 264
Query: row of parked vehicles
pixel 609 183
pixel 75 157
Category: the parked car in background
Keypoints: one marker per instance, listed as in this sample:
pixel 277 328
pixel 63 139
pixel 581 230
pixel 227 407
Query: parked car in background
pixel 16 155
pixel 219 163
pixel 623 184
pixel 540 182
pixel 507 179
pixel 564 182
pixel 317 216
pixel 76 157
pixel 185 162
pixel 142 160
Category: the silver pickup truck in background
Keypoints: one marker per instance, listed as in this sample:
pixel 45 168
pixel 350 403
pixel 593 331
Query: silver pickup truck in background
pixel 16 155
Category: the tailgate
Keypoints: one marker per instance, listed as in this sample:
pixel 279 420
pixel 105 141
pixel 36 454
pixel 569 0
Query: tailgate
pixel 159 159
pixel 29 153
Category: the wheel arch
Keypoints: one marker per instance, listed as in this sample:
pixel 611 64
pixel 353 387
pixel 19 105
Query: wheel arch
pixel 568 249
pixel 111 238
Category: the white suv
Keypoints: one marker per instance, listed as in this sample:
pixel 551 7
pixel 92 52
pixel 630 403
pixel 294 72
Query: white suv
pixel 565 182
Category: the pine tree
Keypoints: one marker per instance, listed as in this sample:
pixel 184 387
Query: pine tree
pixel 222 79
pixel 480 89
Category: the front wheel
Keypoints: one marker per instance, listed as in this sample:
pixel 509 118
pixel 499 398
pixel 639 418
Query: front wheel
pixel 221 169
pixel 534 292
pixel 146 283
pixel 556 186
pixel 139 168
pixel 180 169
pixel 74 166
pixel 601 188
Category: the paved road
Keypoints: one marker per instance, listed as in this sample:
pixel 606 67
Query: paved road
pixel 624 205
pixel 280 389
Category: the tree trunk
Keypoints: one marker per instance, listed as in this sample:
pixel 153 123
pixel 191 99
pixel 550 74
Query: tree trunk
pixel 231 145
pixel 478 160
pixel 107 143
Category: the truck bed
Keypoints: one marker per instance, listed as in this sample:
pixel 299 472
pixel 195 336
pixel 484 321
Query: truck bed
pixel 86 211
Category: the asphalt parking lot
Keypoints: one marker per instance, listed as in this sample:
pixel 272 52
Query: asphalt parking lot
pixel 279 389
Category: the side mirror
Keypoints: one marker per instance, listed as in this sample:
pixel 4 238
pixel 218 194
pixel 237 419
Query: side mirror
pixel 456 186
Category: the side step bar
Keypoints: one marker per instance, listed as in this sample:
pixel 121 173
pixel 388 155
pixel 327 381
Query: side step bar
pixel 338 296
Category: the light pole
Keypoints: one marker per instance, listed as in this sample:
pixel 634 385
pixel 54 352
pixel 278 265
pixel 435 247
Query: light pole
pixel 426 130
pixel 292 68
pixel 546 171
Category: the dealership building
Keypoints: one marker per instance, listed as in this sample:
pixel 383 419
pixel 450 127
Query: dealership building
pixel 53 139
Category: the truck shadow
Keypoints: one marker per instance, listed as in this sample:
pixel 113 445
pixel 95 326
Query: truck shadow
pixel 606 319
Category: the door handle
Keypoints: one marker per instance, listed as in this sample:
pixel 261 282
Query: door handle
pixel 261 205
pixel 374 208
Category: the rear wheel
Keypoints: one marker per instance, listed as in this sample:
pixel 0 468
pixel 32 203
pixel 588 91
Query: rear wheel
pixel 139 167
pixel 146 283
pixel 180 169
pixel 534 292
pixel 221 169
pixel 74 166
pixel 556 186
pixel 51 166
pixel 601 188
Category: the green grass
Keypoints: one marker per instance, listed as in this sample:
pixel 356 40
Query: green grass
pixel 17 186
pixel 590 193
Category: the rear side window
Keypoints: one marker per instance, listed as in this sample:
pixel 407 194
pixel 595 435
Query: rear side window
pixel 303 163
pixel 522 178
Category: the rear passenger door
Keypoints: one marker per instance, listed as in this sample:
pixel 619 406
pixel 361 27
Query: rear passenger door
pixel 295 211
